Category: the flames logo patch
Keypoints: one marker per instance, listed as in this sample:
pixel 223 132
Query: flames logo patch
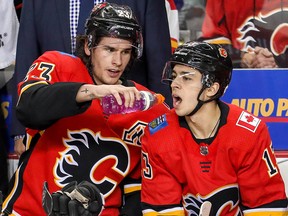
pixel 225 201
pixel 89 156
pixel 223 52
pixel 266 30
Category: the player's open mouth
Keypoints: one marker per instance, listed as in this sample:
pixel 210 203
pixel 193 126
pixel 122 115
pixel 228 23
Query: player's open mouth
pixel 176 100
pixel 113 72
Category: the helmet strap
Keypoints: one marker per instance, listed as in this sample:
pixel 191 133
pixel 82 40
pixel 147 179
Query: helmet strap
pixel 200 102
pixel 198 106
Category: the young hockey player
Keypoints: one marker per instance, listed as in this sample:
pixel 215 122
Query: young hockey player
pixel 205 149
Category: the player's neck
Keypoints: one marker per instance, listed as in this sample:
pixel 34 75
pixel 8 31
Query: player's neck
pixel 205 123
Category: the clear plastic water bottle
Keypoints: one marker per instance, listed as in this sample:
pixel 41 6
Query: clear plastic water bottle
pixel 147 100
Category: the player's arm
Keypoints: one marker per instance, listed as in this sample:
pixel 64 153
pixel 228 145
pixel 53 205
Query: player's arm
pixel 161 193
pixel 261 186
pixel 43 99
pixel 214 24
pixel 41 104
pixel 216 31
pixel 47 94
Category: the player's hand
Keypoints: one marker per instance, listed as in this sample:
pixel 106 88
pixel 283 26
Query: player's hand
pixel 264 58
pixel 19 147
pixel 259 58
pixel 88 92
pixel 83 199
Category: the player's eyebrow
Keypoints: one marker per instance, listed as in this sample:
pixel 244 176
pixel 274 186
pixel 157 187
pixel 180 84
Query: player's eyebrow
pixel 108 46
pixel 184 73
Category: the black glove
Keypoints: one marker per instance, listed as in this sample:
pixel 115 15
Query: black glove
pixel 83 199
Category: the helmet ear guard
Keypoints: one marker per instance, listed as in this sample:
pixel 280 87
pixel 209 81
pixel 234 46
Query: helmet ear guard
pixel 111 20
pixel 207 80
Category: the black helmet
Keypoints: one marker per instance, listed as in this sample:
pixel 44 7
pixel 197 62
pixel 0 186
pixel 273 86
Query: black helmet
pixel 212 60
pixel 113 20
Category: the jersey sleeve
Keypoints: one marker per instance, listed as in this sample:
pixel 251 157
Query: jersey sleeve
pixel 262 189
pixel 46 94
pixel 214 28
pixel 161 192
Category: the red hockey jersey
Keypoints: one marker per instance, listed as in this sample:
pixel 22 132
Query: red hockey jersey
pixel 255 23
pixel 84 145
pixel 236 172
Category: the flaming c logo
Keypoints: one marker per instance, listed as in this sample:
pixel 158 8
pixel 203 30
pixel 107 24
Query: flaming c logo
pixel 85 158
pixel 279 39
pixel 225 201
pixel 269 31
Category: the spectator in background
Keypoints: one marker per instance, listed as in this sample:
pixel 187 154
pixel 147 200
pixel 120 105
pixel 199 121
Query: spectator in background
pixel 179 4
pixel 173 20
pixel 255 33
pixel 8 37
pixel 191 18
pixel 3 154
pixel 55 28
pixel 9 26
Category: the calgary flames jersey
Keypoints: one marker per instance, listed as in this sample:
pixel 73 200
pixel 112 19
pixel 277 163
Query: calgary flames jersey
pixel 235 170
pixel 259 23
pixel 80 144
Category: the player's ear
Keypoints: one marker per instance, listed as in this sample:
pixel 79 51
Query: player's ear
pixel 211 91
pixel 86 49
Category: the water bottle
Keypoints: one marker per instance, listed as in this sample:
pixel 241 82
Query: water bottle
pixel 147 100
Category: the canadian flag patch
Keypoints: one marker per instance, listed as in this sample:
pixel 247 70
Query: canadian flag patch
pixel 248 121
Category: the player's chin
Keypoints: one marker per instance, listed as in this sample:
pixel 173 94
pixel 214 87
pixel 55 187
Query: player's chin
pixel 180 112
pixel 112 80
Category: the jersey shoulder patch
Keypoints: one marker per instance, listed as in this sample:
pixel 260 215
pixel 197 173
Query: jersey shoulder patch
pixel 248 121
pixel 157 124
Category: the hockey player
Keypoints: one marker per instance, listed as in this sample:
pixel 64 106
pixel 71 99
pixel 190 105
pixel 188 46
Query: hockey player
pixel 205 149
pixel 69 138
pixel 254 32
